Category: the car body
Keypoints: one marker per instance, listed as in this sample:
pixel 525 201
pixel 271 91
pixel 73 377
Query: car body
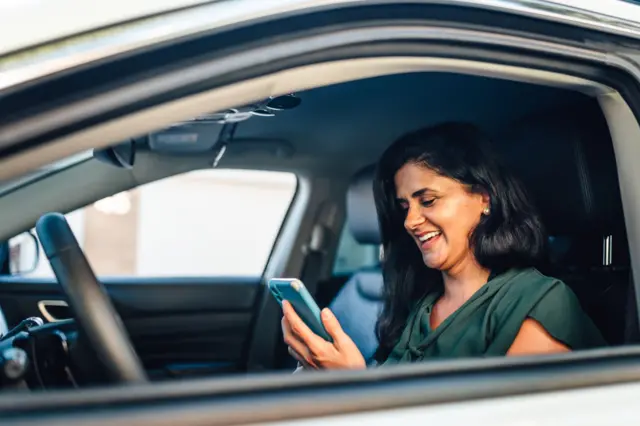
pixel 365 70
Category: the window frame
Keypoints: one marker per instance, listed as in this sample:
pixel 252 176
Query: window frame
pixel 346 233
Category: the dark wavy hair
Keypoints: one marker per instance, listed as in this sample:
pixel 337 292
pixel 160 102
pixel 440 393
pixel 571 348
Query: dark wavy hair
pixel 511 236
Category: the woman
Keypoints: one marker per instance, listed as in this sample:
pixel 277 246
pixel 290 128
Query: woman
pixel 460 242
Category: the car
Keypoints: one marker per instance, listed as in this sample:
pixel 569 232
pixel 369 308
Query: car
pixel 160 163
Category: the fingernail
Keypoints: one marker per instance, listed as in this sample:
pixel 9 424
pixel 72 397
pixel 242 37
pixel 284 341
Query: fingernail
pixel 326 313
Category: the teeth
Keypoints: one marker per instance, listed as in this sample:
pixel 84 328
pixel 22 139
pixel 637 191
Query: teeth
pixel 429 235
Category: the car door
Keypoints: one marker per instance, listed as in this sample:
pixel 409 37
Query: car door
pixel 489 391
pixel 182 259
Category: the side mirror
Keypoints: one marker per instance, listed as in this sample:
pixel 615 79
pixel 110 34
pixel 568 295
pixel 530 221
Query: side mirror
pixel 24 253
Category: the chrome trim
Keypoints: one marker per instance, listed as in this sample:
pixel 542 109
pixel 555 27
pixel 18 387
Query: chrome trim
pixel 607 250
pixel 27 65
pixel 42 307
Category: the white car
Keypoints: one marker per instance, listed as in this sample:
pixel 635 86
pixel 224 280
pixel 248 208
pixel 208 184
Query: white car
pixel 161 161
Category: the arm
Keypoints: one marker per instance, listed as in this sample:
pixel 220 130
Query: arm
pixel 533 339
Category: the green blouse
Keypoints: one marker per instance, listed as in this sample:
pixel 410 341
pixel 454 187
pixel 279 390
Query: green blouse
pixel 487 323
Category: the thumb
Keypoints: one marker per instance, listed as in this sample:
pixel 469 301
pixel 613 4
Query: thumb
pixel 332 325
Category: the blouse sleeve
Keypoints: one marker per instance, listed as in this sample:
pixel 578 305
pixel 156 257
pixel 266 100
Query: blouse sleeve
pixel 560 314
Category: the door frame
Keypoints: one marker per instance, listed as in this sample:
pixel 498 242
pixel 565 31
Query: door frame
pixel 274 397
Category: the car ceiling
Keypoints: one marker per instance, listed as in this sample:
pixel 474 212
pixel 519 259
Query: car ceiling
pixel 340 128
pixel 348 125
pixel 335 131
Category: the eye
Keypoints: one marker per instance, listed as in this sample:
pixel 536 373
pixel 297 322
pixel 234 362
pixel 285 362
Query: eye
pixel 428 203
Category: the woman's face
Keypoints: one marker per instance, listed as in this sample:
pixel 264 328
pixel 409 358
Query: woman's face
pixel 441 214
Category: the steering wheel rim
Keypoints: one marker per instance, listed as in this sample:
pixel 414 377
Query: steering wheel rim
pixel 89 300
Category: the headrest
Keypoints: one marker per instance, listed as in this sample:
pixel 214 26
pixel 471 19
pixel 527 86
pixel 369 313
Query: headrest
pixel 566 161
pixel 370 284
pixel 362 217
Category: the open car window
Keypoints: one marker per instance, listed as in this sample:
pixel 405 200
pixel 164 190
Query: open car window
pixel 352 255
pixel 201 223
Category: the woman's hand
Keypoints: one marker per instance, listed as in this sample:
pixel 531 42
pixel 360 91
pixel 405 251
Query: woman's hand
pixel 312 351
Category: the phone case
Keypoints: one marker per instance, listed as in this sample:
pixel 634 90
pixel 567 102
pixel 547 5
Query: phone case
pixel 294 291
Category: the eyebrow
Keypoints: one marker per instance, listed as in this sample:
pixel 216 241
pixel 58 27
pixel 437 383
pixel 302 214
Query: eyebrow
pixel 418 193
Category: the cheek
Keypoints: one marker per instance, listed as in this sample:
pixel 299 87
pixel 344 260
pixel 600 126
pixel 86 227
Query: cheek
pixel 458 218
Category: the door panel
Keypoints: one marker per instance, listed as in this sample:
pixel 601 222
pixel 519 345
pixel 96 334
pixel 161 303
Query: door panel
pixel 179 326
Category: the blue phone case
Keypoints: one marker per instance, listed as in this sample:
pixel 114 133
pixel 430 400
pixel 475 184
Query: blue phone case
pixel 294 291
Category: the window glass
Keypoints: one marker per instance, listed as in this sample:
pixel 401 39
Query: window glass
pixel 202 223
pixel 352 255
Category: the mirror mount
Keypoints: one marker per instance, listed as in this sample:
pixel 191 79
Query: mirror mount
pixel 122 155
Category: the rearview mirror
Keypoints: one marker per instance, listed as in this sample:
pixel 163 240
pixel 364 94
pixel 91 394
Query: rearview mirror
pixel 24 253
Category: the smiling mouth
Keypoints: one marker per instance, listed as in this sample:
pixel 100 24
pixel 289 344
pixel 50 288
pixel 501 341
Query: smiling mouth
pixel 428 239
pixel 429 236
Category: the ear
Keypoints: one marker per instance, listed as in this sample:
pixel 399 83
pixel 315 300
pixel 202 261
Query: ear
pixel 486 203
pixel 486 199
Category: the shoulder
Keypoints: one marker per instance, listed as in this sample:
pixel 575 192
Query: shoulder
pixel 533 277
pixel 541 292
pixel 529 293
pixel 531 284
pixel 552 304
pixel 554 293
pixel 517 293
pixel 558 301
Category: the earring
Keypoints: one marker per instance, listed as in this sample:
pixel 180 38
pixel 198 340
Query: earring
pixel 486 211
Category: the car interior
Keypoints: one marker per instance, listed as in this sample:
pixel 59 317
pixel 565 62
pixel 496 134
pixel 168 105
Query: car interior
pixel 555 140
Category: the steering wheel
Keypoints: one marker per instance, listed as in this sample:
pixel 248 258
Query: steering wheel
pixel 89 300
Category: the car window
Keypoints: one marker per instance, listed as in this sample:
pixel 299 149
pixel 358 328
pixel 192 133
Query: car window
pixel 201 223
pixel 352 255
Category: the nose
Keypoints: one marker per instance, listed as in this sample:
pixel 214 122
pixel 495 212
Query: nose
pixel 414 218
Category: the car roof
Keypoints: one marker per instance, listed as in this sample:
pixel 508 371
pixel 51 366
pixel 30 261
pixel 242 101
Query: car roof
pixel 32 45
pixel 25 23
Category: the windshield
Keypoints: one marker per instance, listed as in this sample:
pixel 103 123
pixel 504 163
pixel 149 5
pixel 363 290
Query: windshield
pixel 10 185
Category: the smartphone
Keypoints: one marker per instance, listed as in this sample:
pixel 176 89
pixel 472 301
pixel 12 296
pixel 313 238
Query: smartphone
pixel 293 291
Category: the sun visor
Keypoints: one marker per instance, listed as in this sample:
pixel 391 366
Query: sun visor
pixel 206 132
pixel 186 138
